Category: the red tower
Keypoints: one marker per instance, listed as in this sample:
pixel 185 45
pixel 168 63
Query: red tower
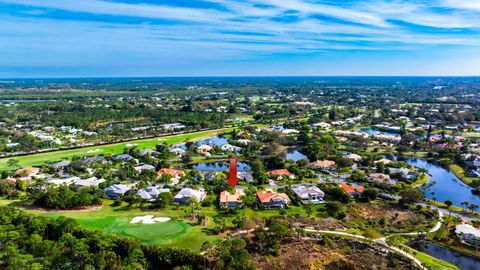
pixel 233 180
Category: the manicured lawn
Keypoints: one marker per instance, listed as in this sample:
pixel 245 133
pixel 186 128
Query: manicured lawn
pixel 429 261
pixel 110 149
pixel 460 173
pixel 471 135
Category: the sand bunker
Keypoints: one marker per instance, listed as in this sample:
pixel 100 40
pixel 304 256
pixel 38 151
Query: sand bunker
pixel 93 151
pixel 131 144
pixel 149 219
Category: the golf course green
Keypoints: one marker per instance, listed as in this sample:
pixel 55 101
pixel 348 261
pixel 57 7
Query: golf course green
pixel 108 149
pixel 157 233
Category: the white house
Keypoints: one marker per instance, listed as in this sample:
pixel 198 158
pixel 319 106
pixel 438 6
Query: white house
pixel 309 194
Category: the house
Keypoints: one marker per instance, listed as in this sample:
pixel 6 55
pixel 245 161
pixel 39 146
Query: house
pixel 145 152
pixel 230 148
pixel 245 176
pixel 208 175
pixel 273 199
pixel 174 173
pixel 61 164
pixel 384 161
pixel 173 126
pixel 243 141
pixel 185 195
pixel 144 167
pixel 281 174
pixel 388 138
pixel 323 125
pixel 229 200
pixel 28 171
pixel 178 151
pixel 89 182
pixel 355 191
pixel 204 149
pixel 63 181
pixel 151 193
pixel 323 165
pixel 355 157
pixel 381 178
pixel 117 191
pixel 124 157
pixel 309 194
pixel 402 171
pixel 468 234
pixel 290 131
pixel 93 160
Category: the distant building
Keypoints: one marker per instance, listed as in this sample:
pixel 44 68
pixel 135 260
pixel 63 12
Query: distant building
pixel 230 148
pixel 145 152
pixel 174 173
pixel 124 157
pixel 354 157
pixel 323 164
pixel 245 176
pixel 309 194
pixel 61 164
pixel 28 171
pixel 281 174
pixel 381 178
pixel 272 200
pixel 89 182
pixel 93 160
pixel 144 167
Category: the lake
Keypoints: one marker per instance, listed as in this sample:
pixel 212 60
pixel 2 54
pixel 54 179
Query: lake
pixel 372 131
pixel 213 141
pixel 444 183
pixel 220 166
pixel 464 262
pixel 295 155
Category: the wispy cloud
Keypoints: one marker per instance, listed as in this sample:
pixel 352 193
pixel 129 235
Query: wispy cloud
pixel 58 31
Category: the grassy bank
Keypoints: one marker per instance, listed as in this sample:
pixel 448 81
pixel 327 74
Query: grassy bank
pixel 460 173
pixel 109 149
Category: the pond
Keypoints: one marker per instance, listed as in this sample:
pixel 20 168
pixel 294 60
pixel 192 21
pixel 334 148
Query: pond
pixel 213 141
pixel 295 155
pixel 464 262
pixel 444 184
pixel 220 166
pixel 372 131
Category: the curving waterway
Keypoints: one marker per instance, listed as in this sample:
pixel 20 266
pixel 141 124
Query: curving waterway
pixel 444 184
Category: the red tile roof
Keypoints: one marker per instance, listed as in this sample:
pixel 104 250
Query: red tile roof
pixel 172 172
pixel 266 197
pixel 324 163
pixel 281 172
pixel 351 189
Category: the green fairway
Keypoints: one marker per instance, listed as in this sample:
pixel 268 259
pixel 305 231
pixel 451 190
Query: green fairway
pixel 109 149
pixel 157 233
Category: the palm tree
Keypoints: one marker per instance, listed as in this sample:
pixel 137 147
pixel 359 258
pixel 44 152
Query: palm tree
pixel 448 203
pixel 465 204
pixel 473 207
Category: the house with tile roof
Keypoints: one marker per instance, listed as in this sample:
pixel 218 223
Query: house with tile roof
pixel 270 199
pixel 231 200
pixel 281 173
pixel 352 190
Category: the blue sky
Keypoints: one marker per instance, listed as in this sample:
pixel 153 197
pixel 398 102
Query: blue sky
pixel 95 38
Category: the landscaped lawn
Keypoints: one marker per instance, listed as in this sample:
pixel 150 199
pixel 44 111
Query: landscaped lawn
pixel 460 173
pixel 110 149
